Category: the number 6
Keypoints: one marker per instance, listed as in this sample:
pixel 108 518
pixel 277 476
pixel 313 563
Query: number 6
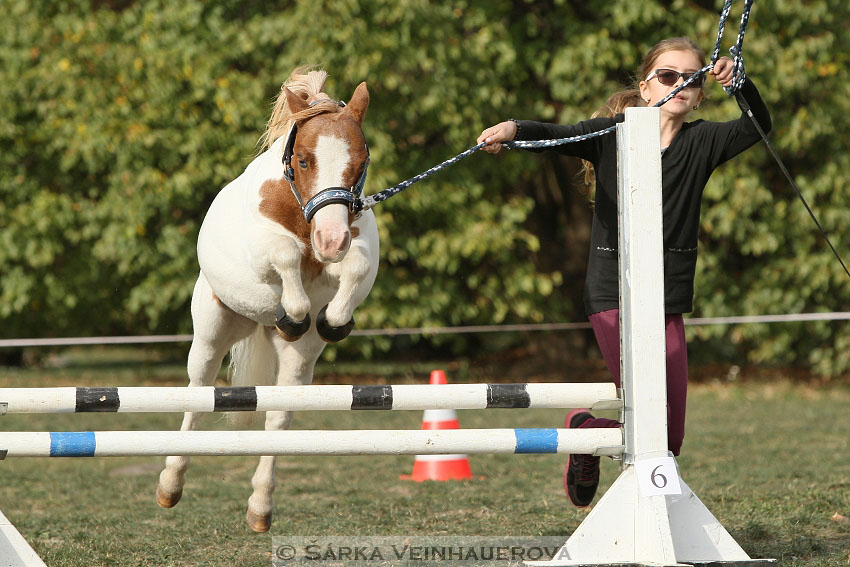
pixel 655 475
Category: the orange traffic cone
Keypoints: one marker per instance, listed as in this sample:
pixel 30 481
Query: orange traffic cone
pixel 439 467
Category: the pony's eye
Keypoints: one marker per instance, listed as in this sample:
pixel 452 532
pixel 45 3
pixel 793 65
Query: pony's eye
pixel 302 163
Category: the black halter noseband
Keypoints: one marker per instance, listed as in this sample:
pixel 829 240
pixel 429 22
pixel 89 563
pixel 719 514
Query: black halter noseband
pixel 330 195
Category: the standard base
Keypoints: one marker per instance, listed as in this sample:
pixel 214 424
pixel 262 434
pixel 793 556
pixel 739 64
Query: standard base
pixel 628 528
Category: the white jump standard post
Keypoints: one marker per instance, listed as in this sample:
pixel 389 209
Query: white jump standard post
pixel 649 516
pixel 14 549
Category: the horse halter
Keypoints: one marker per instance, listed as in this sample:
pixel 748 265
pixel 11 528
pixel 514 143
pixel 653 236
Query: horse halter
pixel 330 195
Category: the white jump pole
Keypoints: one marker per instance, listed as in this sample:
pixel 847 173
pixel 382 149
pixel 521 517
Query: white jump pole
pixel 649 516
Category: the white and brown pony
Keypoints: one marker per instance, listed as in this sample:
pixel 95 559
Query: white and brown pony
pixel 282 245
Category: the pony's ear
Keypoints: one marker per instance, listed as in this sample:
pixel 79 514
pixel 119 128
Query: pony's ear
pixel 295 102
pixel 359 102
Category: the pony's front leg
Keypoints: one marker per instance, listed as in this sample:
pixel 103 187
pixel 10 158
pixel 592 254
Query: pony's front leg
pixel 356 274
pixel 293 313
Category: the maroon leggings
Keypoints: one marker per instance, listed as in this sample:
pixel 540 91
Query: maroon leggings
pixel 606 327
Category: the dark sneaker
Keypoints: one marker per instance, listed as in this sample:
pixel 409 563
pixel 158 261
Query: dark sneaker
pixel 581 475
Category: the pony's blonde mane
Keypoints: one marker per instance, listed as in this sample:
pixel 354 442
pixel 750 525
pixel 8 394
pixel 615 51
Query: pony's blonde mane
pixel 307 82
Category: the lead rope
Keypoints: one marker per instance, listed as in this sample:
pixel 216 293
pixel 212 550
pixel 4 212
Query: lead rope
pixel 738 80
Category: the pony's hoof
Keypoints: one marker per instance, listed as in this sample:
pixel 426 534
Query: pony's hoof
pixel 259 523
pixel 287 328
pixel 166 500
pixel 332 334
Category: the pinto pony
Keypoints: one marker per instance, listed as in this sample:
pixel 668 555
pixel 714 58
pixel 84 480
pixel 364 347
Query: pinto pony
pixel 282 245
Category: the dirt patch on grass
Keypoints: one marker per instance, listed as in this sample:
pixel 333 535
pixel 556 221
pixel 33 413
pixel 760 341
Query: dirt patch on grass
pixel 141 469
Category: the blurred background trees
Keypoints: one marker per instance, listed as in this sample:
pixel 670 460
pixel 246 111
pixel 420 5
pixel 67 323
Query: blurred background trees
pixel 120 121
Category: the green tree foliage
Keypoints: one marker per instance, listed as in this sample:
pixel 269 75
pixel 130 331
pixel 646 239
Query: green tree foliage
pixel 119 122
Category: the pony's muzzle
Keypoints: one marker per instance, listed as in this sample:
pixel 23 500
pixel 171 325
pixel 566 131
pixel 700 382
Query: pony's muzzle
pixel 331 243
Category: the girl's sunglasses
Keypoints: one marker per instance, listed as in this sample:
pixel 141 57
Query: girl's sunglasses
pixel 669 77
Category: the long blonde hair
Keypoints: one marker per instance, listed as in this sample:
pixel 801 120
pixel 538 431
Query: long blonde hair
pixel 618 102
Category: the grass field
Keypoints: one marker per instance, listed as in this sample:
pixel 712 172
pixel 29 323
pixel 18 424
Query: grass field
pixel 770 460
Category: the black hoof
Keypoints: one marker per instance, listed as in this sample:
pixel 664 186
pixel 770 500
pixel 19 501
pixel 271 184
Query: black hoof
pixel 287 328
pixel 332 334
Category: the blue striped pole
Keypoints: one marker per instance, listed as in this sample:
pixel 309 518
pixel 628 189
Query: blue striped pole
pixel 289 442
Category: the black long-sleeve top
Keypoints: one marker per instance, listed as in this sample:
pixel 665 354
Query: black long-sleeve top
pixel 686 164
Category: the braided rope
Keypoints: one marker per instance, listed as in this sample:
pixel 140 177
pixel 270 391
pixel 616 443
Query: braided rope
pixel 738 77
pixel 372 200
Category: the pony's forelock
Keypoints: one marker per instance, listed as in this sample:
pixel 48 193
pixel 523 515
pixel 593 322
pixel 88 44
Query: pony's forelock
pixel 307 82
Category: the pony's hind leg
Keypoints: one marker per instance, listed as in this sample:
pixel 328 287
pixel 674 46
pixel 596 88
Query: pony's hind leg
pixel 216 329
pixel 295 366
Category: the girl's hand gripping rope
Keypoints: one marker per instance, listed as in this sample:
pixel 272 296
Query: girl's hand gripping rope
pixel 722 71
pixel 493 136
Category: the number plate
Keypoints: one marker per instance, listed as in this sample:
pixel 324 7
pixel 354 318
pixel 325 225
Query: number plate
pixel 658 476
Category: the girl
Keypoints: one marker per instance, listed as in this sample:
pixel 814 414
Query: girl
pixel 690 152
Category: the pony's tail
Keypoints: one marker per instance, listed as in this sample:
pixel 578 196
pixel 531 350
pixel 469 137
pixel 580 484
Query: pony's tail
pixel 617 103
pixel 253 362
